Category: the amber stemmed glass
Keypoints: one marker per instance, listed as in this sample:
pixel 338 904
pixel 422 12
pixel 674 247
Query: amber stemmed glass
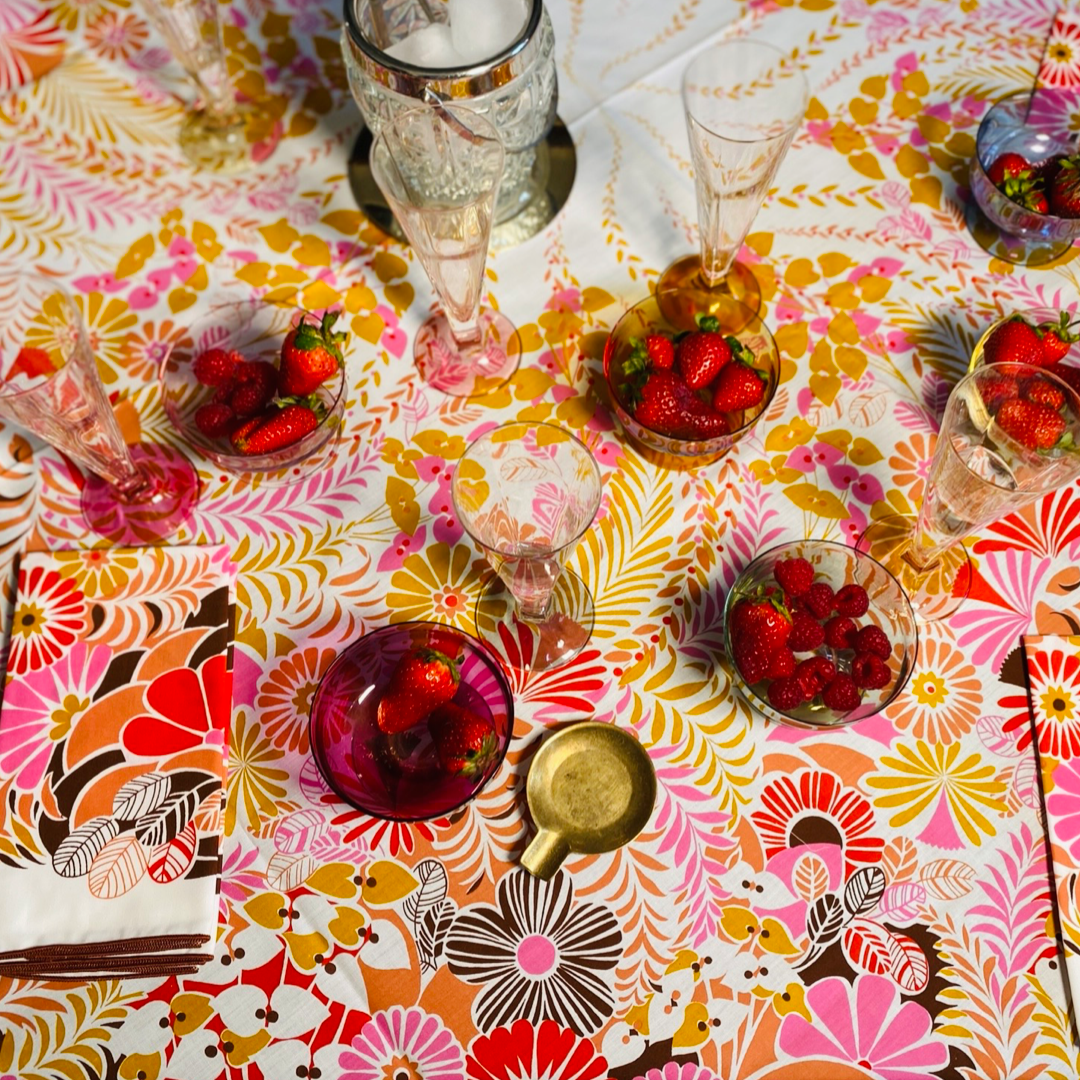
pixel 49 385
pixel 744 101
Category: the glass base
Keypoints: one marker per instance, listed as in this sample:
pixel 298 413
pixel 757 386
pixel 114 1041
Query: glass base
pixel 537 646
pixel 1035 251
pixel 935 592
pixel 155 512
pixel 229 142
pixel 739 285
pixel 474 371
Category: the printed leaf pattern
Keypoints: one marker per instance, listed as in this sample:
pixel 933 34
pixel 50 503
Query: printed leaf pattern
pixel 117 867
pixel 163 824
pixel 947 879
pixel 171 860
pixel 825 920
pixel 141 796
pixel 863 890
pixel 76 853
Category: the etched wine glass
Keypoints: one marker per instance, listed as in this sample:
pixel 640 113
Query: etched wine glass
pixel 439 168
pixel 1010 435
pixel 218 133
pixel 526 493
pixel 49 385
pixel 744 101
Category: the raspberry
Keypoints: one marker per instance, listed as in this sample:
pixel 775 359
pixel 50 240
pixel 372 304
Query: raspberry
pixel 840 632
pixel 806 633
pixel 794 575
pixel 214 420
pixel 868 670
pixel 852 600
pixel 256 383
pixel 814 675
pixel 819 600
pixel 785 694
pixel 752 661
pixel 214 367
pixel 872 639
pixel 841 695
pixel 783 664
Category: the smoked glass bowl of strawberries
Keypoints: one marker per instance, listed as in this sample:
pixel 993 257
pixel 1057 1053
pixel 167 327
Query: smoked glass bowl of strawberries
pixel 684 389
pixel 260 390
pixel 819 635
pixel 411 721
pixel 1025 176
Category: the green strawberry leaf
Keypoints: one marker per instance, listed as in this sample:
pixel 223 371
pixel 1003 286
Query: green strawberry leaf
pixel 709 323
pixel 740 352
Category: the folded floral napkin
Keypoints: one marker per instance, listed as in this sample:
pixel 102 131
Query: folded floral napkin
pixel 113 737
pixel 31 42
pixel 1060 66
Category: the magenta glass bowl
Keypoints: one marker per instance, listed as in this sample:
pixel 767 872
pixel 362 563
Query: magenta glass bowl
pixel 398 777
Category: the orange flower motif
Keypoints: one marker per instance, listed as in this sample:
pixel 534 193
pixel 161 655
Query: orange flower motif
pixel 284 701
pixel 911 465
pixel 942 700
pixel 146 348
pixel 116 35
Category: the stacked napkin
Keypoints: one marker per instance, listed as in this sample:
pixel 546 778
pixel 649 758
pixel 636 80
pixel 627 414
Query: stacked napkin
pixel 1060 66
pixel 31 42
pixel 113 737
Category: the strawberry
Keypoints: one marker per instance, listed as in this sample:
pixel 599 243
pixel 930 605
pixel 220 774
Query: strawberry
pixel 738 387
pixel 214 420
pixel 794 576
pixel 1015 341
pixel 277 429
pixel 703 353
pixel 752 660
pixel 998 388
pixel 814 675
pixel 667 405
pixel 819 600
pixel 1007 165
pixel 465 742
pixel 661 351
pixel 868 670
pixel 1047 170
pixel 1038 427
pixel 807 633
pixel 423 680
pixel 253 387
pixel 214 367
pixel 785 694
pixel 1043 393
pixel 1057 338
pixel 782 664
pixel 310 355
pixel 1068 374
pixel 765 622
pixel 872 639
pixel 840 632
pixel 852 601
pixel 1065 188
pixel 841 695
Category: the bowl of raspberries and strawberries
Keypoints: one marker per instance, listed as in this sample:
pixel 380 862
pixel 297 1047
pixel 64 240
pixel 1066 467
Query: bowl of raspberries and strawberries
pixel 819 635
pixel 1026 180
pixel 686 389
pixel 260 389
pixel 411 721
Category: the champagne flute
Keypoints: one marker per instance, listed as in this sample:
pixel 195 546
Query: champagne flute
pixel 439 168
pixel 744 101
pixel 49 385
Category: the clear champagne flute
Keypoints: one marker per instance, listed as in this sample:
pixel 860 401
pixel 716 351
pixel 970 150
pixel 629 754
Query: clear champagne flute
pixel 49 385
pixel 526 493
pixel 744 101
pixel 439 168
pixel 1010 435
pixel 219 133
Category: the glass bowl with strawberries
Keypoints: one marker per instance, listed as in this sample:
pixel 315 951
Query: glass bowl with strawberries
pixel 1025 179
pixel 1041 337
pixel 411 721
pixel 819 635
pixel 685 390
pixel 261 389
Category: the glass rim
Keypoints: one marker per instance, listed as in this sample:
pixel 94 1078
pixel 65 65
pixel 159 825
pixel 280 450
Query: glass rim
pixel 789 128
pixel 528 424
pixel 7 394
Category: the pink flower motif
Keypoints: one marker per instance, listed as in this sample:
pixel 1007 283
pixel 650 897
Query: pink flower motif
pixel 820 131
pixel 409 1040
pixel 104 283
pixel 142 297
pixel 866 1025
pixel 905 65
pixel 867 489
pixel 564 300
pixel 393 339
pixel 184 268
pixel 40 708
pixel 1063 806
pixel 181 247
pixel 854 525
pixel 674 1071
pixel 402 546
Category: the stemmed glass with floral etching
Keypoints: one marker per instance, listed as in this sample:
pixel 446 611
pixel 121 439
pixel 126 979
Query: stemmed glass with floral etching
pixel 526 493
pixel 218 133
pixel 439 168
pixel 49 385
pixel 744 101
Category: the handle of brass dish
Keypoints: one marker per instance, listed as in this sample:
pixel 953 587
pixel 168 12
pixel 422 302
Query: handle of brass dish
pixel 545 854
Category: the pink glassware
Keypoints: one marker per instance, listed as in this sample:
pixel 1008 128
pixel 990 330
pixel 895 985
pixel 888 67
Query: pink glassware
pixel 49 385
pixel 398 777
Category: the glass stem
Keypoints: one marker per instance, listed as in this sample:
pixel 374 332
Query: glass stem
pixel 923 556
pixel 534 610
pixel 467 333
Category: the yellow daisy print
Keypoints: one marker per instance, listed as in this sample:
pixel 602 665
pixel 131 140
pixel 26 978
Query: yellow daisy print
pixel 97 571
pixel 440 583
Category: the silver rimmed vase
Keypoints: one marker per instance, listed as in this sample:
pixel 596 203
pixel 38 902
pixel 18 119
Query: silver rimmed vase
pixel 515 90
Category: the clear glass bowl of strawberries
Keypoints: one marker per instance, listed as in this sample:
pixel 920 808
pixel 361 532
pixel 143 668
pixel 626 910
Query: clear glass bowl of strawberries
pixel 1040 337
pixel 685 389
pixel 1025 175
pixel 820 635
pixel 411 721
pixel 261 389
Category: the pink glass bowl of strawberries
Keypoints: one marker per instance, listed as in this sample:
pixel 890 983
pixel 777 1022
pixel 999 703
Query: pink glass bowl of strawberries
pixel 260 389
pixel 411 721
pixel 819 635
pixel 684 389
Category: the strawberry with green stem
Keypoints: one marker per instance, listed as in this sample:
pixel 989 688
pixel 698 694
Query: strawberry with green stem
pixel 1065 188
pixel 423 680
pixel 1057 338
pixel 703 353
pixel 465 742
pixel 286 424
pixel 310 354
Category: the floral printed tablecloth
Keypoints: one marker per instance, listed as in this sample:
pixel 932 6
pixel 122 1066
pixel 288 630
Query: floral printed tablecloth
pixel 874 903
